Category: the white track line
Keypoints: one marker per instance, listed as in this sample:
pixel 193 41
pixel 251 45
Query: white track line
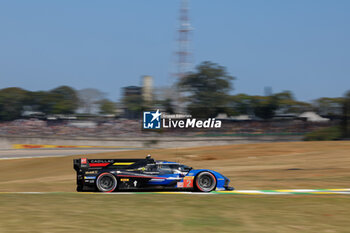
pixel 237 192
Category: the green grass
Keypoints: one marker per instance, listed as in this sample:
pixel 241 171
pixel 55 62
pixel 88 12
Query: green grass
pixel 324 134
pixel 172 213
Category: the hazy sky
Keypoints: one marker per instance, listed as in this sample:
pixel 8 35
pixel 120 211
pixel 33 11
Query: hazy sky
pixel 297 45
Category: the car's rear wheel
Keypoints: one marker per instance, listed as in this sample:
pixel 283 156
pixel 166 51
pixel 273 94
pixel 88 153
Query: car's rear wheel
pixel 106 182
pixel 79 188
pixel 205 182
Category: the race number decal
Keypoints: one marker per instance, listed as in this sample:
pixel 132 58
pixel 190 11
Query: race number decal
pixel 188 182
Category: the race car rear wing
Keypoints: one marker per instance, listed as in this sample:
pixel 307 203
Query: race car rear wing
pixel 87 164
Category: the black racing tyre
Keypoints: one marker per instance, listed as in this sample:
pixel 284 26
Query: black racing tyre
pixel 205 182
pixel 106 182
pixel 79 188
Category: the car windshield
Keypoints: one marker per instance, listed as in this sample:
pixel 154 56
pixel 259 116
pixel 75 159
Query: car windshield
pixel 185 168
pixel 165 169
pixel 173 168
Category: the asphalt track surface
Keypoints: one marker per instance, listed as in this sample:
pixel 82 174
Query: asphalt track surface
pixel 40 153
pixel 235 192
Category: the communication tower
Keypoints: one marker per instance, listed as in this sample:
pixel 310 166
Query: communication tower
pixel 184 55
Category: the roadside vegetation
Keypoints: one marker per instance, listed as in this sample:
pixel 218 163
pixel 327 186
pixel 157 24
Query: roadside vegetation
pixel 324 134
pixel 342 131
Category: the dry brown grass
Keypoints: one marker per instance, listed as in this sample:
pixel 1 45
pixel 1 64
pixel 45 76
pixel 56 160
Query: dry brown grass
pixel 67 212
pixel 249 166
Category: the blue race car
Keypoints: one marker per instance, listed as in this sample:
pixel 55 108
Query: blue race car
pixel 108 175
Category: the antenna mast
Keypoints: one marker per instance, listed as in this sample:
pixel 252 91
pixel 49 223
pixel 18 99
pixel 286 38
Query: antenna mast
pixel 184 55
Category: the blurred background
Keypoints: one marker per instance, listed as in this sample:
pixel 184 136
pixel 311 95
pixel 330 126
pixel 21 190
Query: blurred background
pixel 90 70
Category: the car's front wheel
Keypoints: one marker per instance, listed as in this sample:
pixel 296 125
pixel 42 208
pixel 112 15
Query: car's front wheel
pixel 106 182
pixel 205 182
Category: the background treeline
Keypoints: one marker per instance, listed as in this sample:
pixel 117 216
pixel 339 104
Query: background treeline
pixel 206 92
pixel 66 100
pixel 15 101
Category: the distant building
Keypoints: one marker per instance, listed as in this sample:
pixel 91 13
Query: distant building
pixel 145 93
pixel 147 88
pixel 313 117
pixel 132 91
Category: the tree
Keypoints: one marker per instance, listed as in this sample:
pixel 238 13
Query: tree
pixel 168 106
pixel 288 104
pixel 241 104
pixel 208 90
pixel 264 106
pixel 63 100
pixel 11 103
pixel 88 98
pixel 106 107
pixel 345 125
pixel 329 106
pixel 39 101
pixel 299 107
pixel 134 105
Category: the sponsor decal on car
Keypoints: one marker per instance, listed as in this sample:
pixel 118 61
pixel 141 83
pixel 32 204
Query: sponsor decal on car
pixel 89 177
pixel 98 164
pixel 101 161
pixel 91 172
pixel 123 164
pixel 124 180
pixel 180 184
